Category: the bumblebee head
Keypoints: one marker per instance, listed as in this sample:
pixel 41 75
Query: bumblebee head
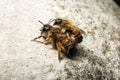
pixel 57 21
pixel 46 27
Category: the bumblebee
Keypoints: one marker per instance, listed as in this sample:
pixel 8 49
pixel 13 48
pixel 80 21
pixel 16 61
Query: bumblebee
pixel 68 27
pixel 53 36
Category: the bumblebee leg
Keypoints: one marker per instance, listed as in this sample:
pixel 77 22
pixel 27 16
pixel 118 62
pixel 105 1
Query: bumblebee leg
pixel 68 49
pixel 53 44
pixel 35 39
pixel 47 41
pixel 60 56
pixel 60 48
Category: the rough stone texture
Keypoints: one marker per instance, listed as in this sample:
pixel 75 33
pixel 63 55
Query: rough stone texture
pixel 98 56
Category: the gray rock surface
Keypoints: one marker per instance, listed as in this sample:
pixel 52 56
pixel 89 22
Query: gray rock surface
pixel 98 56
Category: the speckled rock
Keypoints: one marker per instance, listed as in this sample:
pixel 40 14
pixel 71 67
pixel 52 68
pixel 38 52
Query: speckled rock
pixel 98 56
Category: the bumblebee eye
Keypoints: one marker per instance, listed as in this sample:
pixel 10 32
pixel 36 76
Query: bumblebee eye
pixel 58 21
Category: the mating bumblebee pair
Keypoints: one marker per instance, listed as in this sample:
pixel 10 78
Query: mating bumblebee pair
pixel 63 37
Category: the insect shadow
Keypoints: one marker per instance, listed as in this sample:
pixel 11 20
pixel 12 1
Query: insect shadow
pixel 78 52
pixel 81 52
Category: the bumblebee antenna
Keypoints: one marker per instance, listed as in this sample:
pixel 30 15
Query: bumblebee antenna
pixel 51 20
pixel 41 22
